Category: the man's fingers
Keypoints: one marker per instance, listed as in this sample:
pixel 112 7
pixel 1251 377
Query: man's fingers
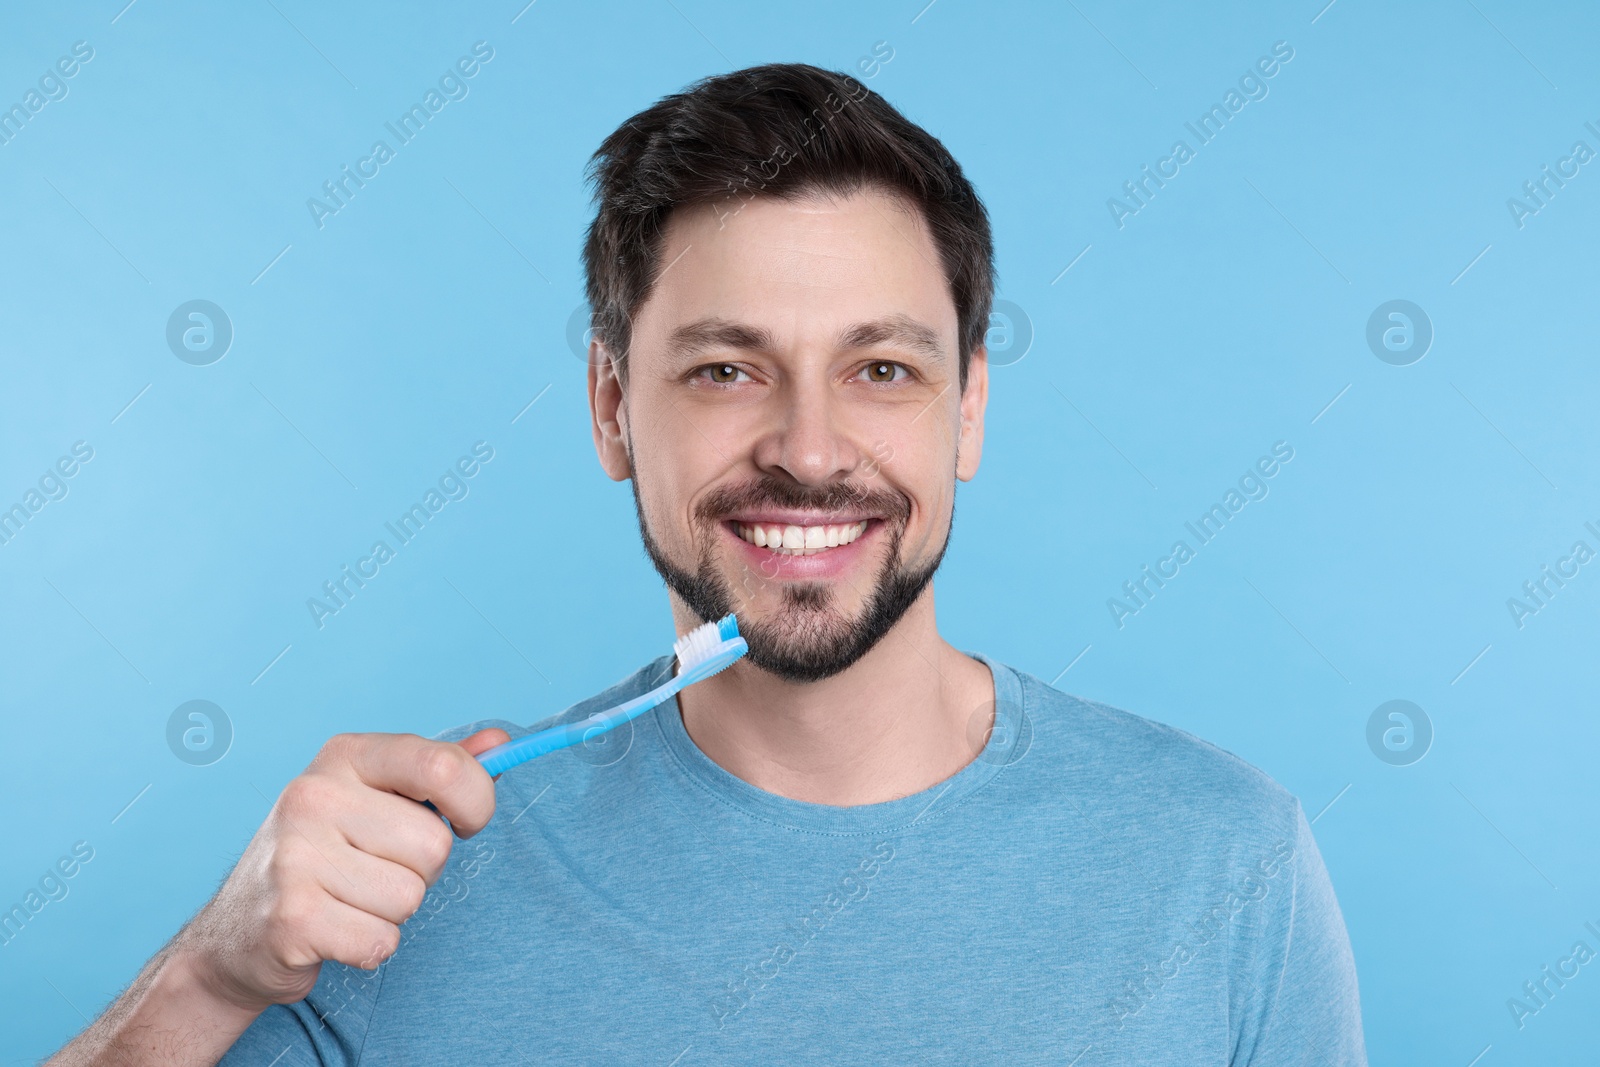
pixel 484 740
pixel 441 772
pixel 351 936
pixel 390 891
pixel 393 828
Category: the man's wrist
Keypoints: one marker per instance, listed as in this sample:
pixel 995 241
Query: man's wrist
pixel 177 1011
pixel 188 1007
pixel 187 977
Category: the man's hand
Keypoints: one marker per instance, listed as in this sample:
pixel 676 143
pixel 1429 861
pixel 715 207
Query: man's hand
pixel 344 857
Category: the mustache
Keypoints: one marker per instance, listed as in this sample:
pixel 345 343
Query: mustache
pixel 835 496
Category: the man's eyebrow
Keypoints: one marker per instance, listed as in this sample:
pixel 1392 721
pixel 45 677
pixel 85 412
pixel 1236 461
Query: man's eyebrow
pixel 900 329
pixel 698 336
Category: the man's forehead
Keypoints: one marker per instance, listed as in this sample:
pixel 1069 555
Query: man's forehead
pixel 858 270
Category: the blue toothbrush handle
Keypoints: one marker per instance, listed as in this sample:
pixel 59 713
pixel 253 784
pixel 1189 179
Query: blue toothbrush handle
pixel 502 758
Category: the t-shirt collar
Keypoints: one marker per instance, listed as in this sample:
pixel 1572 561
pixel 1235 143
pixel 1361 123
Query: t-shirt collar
pixel 1007 741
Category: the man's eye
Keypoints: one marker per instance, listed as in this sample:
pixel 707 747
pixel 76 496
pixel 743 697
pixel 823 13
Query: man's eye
pixel 722 373
pixel 884 371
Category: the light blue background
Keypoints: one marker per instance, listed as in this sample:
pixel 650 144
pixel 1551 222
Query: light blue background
pixel 426 315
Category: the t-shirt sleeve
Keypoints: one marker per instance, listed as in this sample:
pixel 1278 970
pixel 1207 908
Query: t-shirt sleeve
pixel 326 1029
pixel 1297 981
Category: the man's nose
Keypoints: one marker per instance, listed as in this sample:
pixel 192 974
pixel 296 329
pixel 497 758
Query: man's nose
pixel 809 436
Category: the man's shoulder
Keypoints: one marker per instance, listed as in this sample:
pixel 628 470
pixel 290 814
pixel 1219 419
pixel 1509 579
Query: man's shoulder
pixel 1149 772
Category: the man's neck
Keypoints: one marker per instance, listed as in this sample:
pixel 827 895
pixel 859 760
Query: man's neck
pixel 904 717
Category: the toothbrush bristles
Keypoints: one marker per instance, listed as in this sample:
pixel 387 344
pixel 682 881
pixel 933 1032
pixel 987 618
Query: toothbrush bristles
pixel 697 645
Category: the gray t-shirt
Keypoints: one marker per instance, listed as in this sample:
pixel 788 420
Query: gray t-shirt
pixel 1094 888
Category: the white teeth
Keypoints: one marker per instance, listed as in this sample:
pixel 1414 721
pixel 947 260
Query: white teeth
pixel 794 540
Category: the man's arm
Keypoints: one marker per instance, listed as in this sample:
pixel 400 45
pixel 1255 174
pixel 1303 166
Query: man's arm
pixel 172 1013
pixel 341 861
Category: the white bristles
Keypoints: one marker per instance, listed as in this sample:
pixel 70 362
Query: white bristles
pixel 696 645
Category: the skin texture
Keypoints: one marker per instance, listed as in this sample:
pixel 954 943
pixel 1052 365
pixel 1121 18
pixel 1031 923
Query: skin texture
pixel 785 415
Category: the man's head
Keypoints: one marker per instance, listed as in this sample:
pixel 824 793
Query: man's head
pixel 790 285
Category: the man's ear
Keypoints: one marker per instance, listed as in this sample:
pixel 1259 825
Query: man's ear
pixel 974 399
pixel 608 410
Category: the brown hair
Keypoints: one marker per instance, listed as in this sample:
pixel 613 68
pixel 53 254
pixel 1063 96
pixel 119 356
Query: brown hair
pixel 785 130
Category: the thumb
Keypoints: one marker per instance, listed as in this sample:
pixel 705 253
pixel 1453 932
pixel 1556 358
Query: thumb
pixel 484 740
pixel 479 742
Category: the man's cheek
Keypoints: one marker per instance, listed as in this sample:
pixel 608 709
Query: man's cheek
pixel 748 586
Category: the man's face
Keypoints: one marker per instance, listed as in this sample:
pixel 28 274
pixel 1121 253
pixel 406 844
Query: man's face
pixel 793 422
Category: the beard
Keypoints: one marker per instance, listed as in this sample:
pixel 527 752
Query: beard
pixel 808 638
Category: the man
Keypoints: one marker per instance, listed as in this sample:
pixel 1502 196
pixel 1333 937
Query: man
pixel 858 843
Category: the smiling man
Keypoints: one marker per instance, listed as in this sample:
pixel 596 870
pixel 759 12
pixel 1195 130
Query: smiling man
pixel 859 842
pixel 792 418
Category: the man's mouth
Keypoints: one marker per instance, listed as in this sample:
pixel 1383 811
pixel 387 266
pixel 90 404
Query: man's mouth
pixel 791 540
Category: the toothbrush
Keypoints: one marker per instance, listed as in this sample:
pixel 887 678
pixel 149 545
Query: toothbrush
pixel 701 652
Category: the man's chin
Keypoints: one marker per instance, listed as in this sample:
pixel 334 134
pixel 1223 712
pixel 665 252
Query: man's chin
pixel 809 635
pixel 802 642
